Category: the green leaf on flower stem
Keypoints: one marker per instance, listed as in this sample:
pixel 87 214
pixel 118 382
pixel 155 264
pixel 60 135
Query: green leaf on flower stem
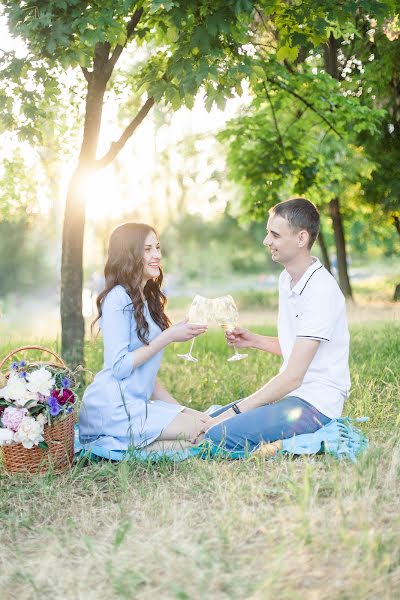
pixel 43 445
pixel 36 409
pixel 28 404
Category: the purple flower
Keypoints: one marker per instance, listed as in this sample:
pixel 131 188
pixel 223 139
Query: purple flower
pixel 22 363
pixel 14 365
pixel 54 407
pixel 23 374
pixel 65 382
pixel 69 409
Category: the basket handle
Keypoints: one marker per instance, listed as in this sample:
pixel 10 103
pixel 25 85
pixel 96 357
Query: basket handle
pixel 42 348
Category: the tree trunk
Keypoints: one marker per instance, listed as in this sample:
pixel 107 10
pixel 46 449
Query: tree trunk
pixel 72 322
pixel 340 242
pixel 331 67
pixel 396 223
pixel 324 251
pixel 396 295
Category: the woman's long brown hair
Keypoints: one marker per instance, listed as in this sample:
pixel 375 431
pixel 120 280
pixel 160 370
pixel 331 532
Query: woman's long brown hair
pixel 124 267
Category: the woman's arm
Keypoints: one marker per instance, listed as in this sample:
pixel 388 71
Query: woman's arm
pixel 181 332
pixel 160 393
pixel 117 323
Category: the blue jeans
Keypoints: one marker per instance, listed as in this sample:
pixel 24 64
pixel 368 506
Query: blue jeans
pixel 284 419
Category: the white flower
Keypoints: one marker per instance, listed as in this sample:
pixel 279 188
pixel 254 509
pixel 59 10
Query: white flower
pixel 371 57
pixel 390 127
pixel 29 433
pixel 40 381
pixel 16 390
pixel 6 436
pixel 41 418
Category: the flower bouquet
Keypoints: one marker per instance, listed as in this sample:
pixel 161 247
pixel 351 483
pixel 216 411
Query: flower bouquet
pixel 36 414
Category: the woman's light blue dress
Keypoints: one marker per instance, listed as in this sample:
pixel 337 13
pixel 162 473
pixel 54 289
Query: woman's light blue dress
pixel 117 410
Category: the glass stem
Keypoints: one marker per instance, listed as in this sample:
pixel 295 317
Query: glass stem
pixel 191 346
pixel 234 347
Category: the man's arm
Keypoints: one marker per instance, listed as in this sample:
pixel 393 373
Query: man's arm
pixel 280 386
pixel 243 338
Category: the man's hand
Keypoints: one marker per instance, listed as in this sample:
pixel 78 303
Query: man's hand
pixel 241 338
pixel 212 421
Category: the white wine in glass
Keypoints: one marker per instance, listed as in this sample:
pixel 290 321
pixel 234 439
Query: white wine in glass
pixel 199 314
pixel 227 316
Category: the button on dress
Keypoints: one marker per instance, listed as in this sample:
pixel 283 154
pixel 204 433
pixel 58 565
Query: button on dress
pixel 117 410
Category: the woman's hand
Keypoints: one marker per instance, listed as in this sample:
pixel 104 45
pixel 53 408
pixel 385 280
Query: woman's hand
pixel 184 331
pixel 203 418
pixel 212 421
pixel 241 338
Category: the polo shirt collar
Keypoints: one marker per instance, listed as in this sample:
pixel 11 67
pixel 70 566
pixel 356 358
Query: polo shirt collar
pixel 301 284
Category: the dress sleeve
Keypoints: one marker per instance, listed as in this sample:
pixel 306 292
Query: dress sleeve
pixel 317 318
pixel 117 326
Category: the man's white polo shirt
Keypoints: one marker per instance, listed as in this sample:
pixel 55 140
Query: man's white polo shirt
pixel 315 309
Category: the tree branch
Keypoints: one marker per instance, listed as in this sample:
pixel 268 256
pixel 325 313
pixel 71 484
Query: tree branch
pixel 261 16
pixel 275 121
pixel 130 28
pixel 304 101
pixel 116 147
pixel 86 73
pixel 298 116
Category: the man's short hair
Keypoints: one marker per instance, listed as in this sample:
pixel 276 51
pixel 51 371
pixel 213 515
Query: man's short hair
pixel 300 214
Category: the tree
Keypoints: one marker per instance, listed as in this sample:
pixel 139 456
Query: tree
pixel 281 147
pixel 382 187
pixel 304 125
pixel 186 44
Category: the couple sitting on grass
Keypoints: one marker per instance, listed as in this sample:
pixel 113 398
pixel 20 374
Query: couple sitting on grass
pixel 126 405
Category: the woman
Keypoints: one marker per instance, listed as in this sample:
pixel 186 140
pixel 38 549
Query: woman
pixel 126 405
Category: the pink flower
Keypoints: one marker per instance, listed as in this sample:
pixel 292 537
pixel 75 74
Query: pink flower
pixel 12 417
pixel 63 396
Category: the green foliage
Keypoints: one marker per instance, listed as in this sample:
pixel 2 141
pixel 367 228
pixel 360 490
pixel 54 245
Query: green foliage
pixel 187 44
pixel 18 188
pixel 382 188
pixel 310 133
pixel 189 242
pixel 282 147
pixel 22 258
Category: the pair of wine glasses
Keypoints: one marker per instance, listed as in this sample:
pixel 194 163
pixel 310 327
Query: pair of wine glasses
pixel 223 310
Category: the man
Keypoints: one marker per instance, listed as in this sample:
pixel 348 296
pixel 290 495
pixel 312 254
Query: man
pixel 313 340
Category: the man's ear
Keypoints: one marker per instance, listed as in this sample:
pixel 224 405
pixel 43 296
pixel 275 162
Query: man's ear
pixel 303 238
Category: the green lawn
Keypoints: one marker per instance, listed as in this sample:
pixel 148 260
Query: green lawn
pixel 289 529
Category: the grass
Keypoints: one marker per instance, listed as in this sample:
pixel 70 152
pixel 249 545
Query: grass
pixel 293 529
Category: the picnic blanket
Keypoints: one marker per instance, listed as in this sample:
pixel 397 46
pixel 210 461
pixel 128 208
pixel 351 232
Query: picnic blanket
pixel 339 438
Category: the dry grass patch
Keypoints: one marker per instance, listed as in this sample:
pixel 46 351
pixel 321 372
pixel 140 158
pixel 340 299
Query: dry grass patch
pixel 309 528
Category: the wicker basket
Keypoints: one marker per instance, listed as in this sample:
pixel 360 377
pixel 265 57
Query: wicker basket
pixel 59 436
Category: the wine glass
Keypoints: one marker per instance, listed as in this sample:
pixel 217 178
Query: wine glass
pixel 227 316
pixel 199 313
